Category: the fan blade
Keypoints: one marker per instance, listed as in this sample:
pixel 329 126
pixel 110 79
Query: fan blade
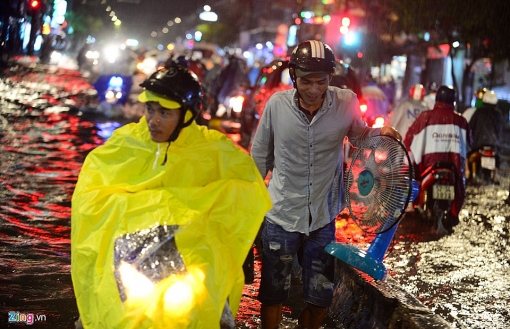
pixel 377 184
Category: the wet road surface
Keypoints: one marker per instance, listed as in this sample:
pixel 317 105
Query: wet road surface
pixel 44 138
pixel 464 276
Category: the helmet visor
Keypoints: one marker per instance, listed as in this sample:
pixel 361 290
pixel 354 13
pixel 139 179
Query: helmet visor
pixel 147 96
pixel 301 73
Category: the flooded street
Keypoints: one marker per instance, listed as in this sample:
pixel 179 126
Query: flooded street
pixel 463 277
pixel 44 138
pixel 41 157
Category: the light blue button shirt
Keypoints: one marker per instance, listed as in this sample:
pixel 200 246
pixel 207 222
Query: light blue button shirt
pixel 306 158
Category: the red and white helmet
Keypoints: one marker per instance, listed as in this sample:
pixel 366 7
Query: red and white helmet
pixel 417 92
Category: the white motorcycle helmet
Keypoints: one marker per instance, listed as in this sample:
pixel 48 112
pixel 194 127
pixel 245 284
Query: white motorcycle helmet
pixel 490 97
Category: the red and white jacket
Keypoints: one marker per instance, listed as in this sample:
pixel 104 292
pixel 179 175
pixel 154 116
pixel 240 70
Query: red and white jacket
pixel 440 134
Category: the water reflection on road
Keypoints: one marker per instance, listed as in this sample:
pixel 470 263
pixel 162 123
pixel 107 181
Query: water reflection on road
pixel 464 277
pixel 41 155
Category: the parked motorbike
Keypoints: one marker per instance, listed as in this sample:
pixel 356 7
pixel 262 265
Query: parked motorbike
pixel 482 165
pixel 437 192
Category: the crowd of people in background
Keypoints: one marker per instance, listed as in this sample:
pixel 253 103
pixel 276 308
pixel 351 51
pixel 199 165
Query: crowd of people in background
pixel 223 77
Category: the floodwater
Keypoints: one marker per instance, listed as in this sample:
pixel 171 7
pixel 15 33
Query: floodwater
pixel 463 276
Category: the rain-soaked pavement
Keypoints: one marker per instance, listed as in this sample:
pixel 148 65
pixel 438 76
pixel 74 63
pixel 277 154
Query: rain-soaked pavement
pixel 46 132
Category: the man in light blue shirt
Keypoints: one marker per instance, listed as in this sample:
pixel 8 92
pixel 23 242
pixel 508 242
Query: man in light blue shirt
pixel 300 139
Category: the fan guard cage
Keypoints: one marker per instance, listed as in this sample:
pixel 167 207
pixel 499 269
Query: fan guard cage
pixel 378 183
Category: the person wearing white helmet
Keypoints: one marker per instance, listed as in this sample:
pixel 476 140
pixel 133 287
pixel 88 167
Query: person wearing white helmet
pixel 486 125
pixel 406 111
pixel 468 113
pixel 300 139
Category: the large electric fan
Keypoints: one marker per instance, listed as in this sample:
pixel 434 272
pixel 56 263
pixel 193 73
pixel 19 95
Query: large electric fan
pixel 379 185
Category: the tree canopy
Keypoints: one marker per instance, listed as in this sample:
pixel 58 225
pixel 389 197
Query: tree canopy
pixel 83 25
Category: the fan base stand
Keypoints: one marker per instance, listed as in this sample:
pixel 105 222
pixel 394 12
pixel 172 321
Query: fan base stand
pixel 359 259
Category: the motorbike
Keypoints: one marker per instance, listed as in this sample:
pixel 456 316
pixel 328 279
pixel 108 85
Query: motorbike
pixel 482 165
pixel 374 106
pixel 374 121
pixel 88 59
pixel 227 96
pixel 144 258
pixel 113 88
pixel 436 192
pixel 113 92
pixel 271 78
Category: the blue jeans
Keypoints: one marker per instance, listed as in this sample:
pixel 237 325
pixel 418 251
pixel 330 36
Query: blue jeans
pixel 279 251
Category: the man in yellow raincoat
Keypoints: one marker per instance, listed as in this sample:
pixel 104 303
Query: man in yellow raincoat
pixel 164 171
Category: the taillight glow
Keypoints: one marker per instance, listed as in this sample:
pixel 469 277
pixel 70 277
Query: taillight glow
pixel 378 122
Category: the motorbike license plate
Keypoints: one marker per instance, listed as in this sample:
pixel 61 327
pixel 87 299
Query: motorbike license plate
pixel 489 163
pixel 443 192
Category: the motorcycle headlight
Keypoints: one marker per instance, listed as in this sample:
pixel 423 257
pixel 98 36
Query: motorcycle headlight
pixel 134 283
pixel 109 95
pixel 56 56
pixel 144 258
pixel 236 103
pixel 111 53
pixel 91 54
pixel 148 263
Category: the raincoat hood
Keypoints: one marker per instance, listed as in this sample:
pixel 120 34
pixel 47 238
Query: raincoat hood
pixel 208 187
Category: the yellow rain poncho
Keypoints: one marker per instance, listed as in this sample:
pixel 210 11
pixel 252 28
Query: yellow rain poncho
pixel 208 186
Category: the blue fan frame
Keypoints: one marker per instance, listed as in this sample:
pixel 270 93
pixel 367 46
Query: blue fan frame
pixel 371 261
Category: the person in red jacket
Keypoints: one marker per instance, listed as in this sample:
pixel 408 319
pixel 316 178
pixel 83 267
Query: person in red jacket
pixel 441 134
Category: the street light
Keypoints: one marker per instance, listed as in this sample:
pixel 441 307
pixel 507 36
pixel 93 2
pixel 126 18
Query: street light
pixel 208 15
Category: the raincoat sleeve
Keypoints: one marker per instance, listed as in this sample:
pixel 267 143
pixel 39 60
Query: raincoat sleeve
pixel 209 188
